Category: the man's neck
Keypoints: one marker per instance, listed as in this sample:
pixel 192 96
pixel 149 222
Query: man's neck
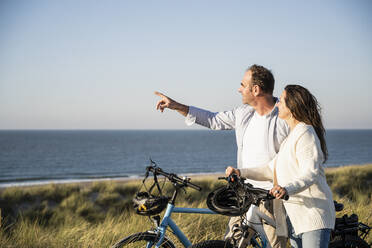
pixel 265 105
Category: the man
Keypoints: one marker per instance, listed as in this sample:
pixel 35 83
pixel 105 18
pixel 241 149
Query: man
pixel 259 131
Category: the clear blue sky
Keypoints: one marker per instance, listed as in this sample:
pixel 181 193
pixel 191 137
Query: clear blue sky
pixel 95 64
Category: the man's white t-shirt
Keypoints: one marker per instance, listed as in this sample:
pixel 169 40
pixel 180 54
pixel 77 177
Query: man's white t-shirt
pixel 256 146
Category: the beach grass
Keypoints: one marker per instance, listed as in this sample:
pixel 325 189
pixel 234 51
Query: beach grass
pixel 100 213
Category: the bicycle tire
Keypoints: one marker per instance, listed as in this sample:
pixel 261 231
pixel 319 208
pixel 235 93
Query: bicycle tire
pixel 212 244
pixel 141 239
pixel 349 242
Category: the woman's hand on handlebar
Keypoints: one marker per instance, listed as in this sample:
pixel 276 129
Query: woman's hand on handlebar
pixel 231 170
pixel 278 192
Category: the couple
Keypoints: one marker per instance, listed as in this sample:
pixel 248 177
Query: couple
pixel 281 147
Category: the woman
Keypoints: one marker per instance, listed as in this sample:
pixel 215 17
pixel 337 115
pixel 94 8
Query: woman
pixel 297 170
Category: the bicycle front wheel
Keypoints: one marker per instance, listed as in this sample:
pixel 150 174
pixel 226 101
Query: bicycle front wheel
pixel 143 239
pixel 349 242
pixel 213 244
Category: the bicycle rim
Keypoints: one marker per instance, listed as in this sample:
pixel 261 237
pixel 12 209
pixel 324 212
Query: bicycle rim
pixel 143 239
pixel 349 242
pixel 212 244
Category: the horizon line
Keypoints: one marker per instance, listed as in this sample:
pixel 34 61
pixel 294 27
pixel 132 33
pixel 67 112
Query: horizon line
pixel 141 129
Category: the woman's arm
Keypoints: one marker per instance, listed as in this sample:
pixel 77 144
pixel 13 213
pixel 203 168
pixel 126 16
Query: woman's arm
pixel 309 156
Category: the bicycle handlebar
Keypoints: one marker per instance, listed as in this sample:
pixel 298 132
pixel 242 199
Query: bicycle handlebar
pixel 173 177
pixel 234 180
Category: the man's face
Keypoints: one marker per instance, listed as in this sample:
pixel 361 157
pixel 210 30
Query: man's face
pixel 246 88
pixel 284 112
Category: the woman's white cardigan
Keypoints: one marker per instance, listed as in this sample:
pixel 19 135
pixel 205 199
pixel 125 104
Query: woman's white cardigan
pixel 300 171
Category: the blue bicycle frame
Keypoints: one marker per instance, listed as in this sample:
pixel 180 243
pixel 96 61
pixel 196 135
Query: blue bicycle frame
pixel 167 221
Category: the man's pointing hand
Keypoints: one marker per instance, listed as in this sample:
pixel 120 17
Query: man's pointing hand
pixel 167 102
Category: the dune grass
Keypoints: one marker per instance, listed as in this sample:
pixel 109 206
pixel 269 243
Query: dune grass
pixel 100 213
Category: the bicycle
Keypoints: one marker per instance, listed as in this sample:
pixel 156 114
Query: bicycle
pixel 349 232
pixel 157 237
pixel 250 232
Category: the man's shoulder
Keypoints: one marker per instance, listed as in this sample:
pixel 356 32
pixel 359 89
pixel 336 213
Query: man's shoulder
pixel 244 108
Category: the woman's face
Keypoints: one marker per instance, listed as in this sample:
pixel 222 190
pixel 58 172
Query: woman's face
pixel 284 112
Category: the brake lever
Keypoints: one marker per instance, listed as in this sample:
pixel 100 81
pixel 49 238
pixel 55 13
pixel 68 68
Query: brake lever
pixel 146 174
pixel 152 163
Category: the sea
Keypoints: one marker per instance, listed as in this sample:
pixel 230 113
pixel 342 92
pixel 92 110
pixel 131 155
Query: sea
pixel 30 157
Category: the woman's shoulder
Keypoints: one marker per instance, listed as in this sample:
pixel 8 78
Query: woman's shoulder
pixel 306 138
pixel 307 144
pixel 304 131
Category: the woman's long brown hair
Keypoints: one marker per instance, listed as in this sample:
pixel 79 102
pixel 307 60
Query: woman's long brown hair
pixel 305 108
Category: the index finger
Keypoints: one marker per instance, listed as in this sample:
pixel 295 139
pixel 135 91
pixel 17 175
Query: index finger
pixel 159 94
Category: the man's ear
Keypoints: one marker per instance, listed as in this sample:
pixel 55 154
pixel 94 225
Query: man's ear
pixel 256 90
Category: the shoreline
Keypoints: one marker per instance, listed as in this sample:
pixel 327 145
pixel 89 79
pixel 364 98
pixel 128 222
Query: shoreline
pixel 91 181
pixel 82 182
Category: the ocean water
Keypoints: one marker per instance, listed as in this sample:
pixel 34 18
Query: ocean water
pixel 34 157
